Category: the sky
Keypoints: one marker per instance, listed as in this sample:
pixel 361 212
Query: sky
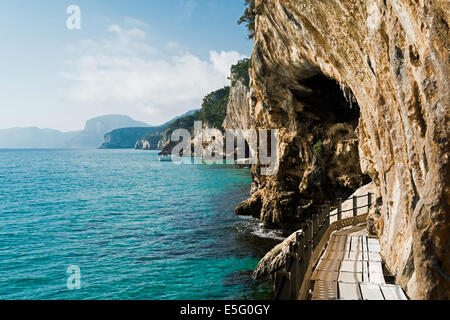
pixel 149 59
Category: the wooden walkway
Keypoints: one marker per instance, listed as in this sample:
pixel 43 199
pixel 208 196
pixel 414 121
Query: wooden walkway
pixel 351 269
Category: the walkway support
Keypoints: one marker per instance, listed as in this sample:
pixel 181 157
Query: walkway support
pixel 294 281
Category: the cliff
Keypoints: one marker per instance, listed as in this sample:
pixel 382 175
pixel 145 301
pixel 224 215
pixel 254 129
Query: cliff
pixel 92 136
pixel 125 138
pixel 159 137
pixel 360 93
pixel 238 108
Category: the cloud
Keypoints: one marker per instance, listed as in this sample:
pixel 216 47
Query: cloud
pixel 222 61
pixel 124 72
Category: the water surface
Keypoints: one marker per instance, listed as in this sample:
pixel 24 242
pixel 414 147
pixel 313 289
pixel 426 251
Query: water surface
pixel 137 228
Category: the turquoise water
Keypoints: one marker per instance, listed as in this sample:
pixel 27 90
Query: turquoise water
pixel 136 227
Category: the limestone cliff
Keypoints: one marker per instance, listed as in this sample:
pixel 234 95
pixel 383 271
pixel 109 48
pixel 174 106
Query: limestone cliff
pixel 124 138
pixel 238 108
pixel 358 89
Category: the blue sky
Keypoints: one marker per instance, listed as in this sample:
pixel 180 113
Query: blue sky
pixel 149 59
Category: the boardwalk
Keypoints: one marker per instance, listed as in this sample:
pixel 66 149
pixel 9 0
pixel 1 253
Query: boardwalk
pixel 351 269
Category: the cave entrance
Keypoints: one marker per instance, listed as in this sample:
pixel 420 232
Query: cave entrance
pixel 325 101
pixel 330 114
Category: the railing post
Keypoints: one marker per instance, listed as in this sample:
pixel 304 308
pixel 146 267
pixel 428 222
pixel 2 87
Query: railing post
pixel 311 238
pixel 293 270
pixel 307 245
pixel 339 209
pixel 327 215
pixel 282 285
pixel 313 230
pixel 355 206
pixel 316 234
pixel 369 201
pixel 300 259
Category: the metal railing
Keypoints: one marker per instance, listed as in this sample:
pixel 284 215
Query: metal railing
pixel 293 281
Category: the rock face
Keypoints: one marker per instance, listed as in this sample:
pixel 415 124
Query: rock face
pixel 360 88
pixel 95 129
pixel 124 138
pixel 157 138
pixel 238 108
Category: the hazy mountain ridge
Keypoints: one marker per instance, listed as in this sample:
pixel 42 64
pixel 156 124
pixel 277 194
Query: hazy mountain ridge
pixel 92 136
pixel 158 138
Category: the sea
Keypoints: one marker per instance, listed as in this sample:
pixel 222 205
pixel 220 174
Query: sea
pixel 120 224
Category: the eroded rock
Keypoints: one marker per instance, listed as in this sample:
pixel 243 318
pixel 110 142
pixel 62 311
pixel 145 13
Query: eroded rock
pixel 391 61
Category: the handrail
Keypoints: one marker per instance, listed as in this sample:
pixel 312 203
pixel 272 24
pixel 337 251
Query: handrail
pixel 348 210
pixel 309 243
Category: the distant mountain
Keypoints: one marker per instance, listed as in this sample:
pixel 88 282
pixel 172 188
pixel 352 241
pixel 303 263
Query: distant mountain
pixel 34 138
pixel 95 129
pixel 156 138
pixel 139 137
pixel 92 136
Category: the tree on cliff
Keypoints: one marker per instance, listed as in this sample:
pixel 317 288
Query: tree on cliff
pixel 249 19
pixel 214 108
pixel 239 71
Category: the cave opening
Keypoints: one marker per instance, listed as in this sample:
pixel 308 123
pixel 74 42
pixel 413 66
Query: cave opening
pixel 325 101
pixel 330 115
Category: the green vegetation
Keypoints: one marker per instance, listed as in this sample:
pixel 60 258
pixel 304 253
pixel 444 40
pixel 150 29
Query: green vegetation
pixel 214 108
pixel 317 149
pixel 249 19
pixel 239 71
pixel 125 138
pixel 186 122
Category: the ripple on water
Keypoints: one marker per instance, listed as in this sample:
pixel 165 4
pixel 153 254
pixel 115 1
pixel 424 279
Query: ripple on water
pixel 137 228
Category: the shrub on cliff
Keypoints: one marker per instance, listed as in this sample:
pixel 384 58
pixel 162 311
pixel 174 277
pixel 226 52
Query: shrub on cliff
pixel 239 71
pixel 186 122
pixel 214 108
pixel 249 18
pixel 317 149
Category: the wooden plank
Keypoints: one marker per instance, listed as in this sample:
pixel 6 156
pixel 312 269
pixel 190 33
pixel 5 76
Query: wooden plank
pixel 356 256
pixel 374 247
pixel 375 267
pixel 334 255
pixel 350 277
pixel 392 292
pixel 347 247
pixel 370 291
pixel 349 291
pixel 353 266
pixel 326 276
pixel 364 242
pixel 365 276
pixel 325 290
pixel 352 238
pixel 329 265
pixel 356 245
pixel 376 278
pixel 374 256
pixel 337 246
